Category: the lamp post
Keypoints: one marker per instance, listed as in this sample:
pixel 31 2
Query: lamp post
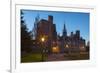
pixel 42 40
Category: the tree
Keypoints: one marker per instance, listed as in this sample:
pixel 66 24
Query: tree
pixel 26 38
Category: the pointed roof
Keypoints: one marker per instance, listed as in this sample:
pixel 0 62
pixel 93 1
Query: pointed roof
pixel 64 30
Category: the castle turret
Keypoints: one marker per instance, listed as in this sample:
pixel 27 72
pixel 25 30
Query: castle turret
pixel 78 34
pixel 64 31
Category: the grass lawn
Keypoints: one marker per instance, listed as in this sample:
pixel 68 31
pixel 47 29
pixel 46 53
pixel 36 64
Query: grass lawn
pixel 32 58
pixel 37 57
pixel 79 57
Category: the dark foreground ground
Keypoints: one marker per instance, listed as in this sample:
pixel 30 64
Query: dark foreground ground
pixel 38 57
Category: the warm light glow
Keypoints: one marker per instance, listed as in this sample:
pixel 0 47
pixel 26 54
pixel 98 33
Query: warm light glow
pixel 66 46
pixel 42 39
pixel 55 49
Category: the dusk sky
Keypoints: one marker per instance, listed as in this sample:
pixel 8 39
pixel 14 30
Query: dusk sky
pixel 73 21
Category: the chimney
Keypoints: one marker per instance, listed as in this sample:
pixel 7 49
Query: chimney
pixel 50 19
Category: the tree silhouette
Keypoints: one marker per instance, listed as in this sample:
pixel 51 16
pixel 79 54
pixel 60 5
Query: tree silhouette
pixel 26 38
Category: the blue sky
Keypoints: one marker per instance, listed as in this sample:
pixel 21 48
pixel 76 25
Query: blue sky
pixel 73 21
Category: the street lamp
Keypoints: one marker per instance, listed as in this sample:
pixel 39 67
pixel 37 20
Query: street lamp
pixel 42 40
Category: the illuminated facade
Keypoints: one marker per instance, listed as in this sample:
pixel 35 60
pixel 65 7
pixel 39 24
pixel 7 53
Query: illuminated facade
pixel 46 34
pixel 47 30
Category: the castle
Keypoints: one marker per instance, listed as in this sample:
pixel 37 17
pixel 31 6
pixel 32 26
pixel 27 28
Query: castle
pixel 46 36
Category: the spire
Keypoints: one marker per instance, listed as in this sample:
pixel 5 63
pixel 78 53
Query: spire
pixel 37 18
pixel 64 30
pixel 35 25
